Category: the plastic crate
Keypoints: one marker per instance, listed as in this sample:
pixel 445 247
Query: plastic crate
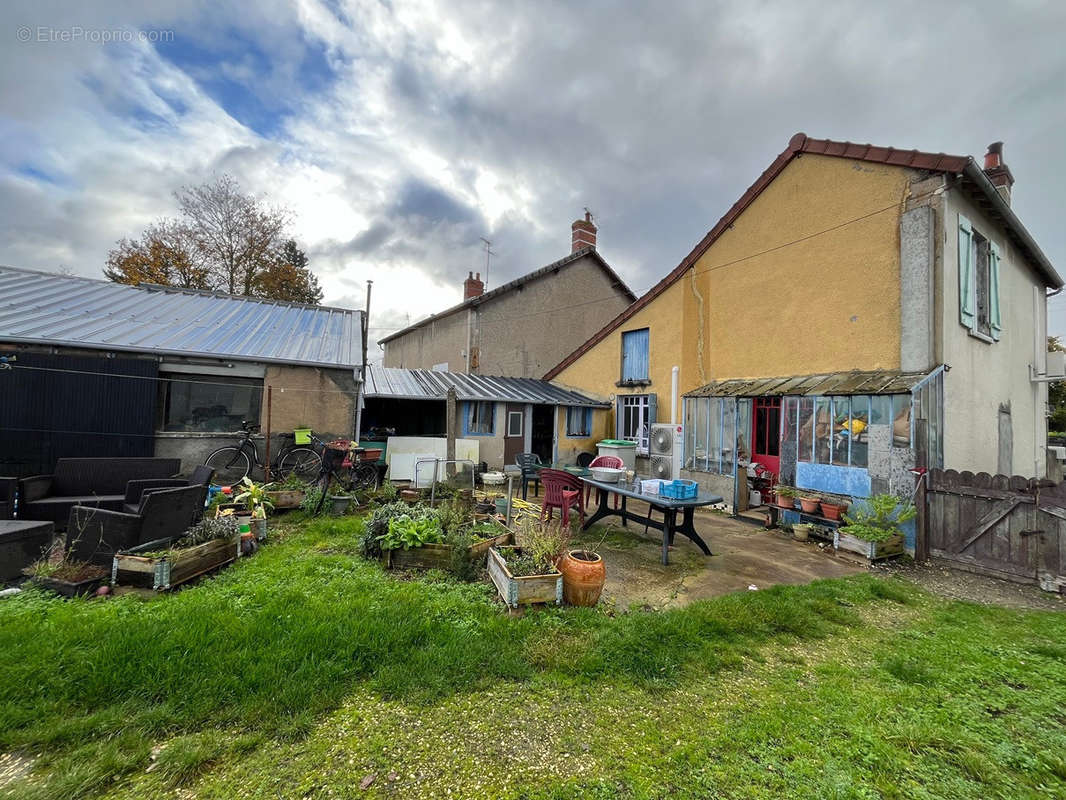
pixel 650 487
pixel 679 489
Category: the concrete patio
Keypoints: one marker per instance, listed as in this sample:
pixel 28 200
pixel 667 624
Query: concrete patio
pixel 744 555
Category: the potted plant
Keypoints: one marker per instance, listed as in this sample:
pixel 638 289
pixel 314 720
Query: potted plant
pixel 833 507
pixel 874 528
pixel 810 503
pixel 254 497
pixel 800 531
pixel 289 493
pixel 786 496
pixel 528 574
pixel 68 577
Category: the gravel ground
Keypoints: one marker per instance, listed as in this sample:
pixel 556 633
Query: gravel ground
pixel 958 585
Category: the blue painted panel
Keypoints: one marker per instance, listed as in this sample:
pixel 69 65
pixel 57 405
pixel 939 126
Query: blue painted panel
pixel 635 355
pixel 851 481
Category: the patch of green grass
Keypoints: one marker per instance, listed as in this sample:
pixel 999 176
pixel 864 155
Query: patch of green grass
pixel 304 669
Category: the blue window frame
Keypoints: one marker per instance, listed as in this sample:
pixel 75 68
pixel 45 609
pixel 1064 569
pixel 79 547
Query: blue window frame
pixel 635 355
pixel 479 418
pixel 578 422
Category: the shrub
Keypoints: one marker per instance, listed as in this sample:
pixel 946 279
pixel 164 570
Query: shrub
pixel 879 518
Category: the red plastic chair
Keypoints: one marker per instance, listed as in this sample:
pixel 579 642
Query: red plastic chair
pixel 562 491
pixel 613 462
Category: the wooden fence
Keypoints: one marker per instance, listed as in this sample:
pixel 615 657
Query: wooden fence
pixel 1007 526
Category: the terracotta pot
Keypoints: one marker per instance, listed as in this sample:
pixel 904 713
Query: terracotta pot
pixel 810 505
pixel 832 510
pixel 584 574
pixel 785 502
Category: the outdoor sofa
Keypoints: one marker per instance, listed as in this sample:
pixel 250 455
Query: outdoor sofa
pixel 136 489
pixel 96 534
pixel 96 482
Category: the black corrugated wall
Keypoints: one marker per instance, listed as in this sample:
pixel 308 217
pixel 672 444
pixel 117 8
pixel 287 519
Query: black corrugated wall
pixel 55 406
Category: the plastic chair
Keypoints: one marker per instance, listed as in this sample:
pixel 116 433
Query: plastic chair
pixel 613 462
pixel 584 459
pixel 562 491
pixel 528 464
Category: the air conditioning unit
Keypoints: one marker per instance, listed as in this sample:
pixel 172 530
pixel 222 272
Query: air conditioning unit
pixel 664 451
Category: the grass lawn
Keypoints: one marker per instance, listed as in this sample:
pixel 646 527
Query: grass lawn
pixel 306 672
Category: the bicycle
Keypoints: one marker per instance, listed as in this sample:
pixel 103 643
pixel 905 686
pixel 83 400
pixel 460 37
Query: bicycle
pixel 233 463
pixel 342 462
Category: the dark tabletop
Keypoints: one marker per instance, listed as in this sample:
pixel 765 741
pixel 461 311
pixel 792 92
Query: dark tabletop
pixel 701 499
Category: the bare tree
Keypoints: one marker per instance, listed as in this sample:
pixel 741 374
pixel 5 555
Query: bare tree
pixel 236 233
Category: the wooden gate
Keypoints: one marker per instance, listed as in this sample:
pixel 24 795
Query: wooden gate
pixel 1008 527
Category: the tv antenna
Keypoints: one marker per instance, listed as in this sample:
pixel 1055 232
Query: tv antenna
pixel 489 253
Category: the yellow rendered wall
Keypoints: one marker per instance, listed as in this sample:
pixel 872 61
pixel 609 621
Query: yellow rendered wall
pixel 567 448
pixel 829 303
pixel 598 370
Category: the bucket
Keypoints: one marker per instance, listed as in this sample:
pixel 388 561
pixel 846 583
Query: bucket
pixel 302 435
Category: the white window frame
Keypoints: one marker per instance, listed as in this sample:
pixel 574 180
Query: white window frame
pixel 639 405
pixel 511 417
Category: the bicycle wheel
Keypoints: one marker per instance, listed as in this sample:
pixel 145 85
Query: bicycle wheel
pixel 231 465
pixel 303 462
pixel 365 476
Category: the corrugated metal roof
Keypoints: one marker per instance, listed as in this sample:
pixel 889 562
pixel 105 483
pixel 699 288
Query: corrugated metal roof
pixel 45 308
pixel 855 382
pixel 424 384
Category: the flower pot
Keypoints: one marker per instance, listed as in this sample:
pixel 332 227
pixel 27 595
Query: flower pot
pixel 832 510
pixel 785 502
pixel 340 503
pixel 801 531
pixel 584 574
pixel 810 505
pixel 259 528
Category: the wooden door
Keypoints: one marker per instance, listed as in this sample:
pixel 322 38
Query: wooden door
pixel 766 432
pixel 514 432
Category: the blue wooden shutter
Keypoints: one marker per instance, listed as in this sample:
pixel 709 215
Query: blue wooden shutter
pixel 966 277
pixel 635 355
pixel 993 290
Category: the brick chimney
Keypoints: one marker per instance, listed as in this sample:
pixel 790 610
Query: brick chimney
pixel 473 287
pixel 997 171
pixel 584 233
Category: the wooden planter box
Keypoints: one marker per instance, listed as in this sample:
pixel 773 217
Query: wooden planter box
pixel 873 551
pixel 439 556
pixel 286 498
pixel 524 590
pixel 174 568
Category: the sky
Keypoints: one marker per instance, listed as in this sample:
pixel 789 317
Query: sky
pixel 401 133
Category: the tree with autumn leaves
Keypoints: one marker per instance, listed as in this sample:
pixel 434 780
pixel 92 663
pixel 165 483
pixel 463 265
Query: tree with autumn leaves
pixel 224 240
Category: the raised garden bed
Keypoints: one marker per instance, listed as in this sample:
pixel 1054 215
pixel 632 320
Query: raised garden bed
pixel 73 580
pixel 286 498
pixel 151 566
pixel 439 556
pixel 874 551
pixel 523 590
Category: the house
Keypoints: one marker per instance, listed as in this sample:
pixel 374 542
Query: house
pixel 106 369
pixel 522 328
pixel 505 416
pixel 859 312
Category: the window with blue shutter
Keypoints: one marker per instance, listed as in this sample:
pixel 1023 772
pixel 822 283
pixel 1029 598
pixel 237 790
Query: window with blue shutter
pixel 635 355
pixel 966 282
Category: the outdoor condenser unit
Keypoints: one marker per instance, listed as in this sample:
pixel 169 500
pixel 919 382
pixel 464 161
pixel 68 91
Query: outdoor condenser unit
pixel 664 451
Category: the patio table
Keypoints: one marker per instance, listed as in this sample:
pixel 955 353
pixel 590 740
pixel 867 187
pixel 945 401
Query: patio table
pixel 669 525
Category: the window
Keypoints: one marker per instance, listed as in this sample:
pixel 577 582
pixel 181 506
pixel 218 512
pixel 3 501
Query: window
pixel 634 414
pixel 710 439
pixel 979 307
pixel 480 418
pixel 635 356
pixel 832 430
pixel 579 422
pixel 514 423
pixel 210 402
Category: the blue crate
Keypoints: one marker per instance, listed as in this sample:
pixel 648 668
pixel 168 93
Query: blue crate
pixel 679 489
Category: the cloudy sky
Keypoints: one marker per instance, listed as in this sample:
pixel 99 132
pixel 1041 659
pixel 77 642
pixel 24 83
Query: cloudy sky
pixel 401 132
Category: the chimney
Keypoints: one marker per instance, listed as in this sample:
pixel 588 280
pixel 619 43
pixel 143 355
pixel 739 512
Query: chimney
pixel 473 287
pixel 997 171
pixel 584 233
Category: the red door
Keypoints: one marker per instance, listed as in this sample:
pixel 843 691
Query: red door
pixel 766 433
